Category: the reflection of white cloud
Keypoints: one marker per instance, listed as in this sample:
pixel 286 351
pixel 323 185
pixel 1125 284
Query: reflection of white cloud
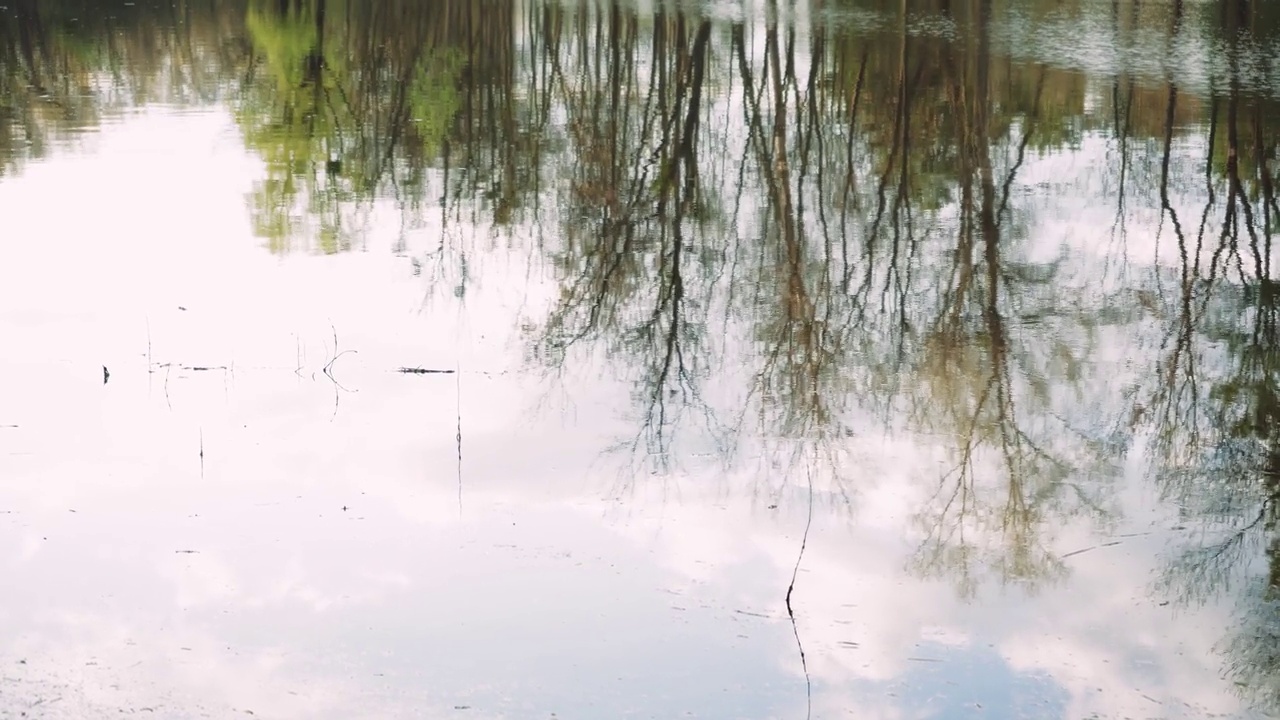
pixel 429 587
pixel 1117 650
pixel 96 665
pixel 199 580
pixel 1099 636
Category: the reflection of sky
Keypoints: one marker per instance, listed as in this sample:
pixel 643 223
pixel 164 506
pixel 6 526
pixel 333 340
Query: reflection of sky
pixel 540 594
pixel 948 683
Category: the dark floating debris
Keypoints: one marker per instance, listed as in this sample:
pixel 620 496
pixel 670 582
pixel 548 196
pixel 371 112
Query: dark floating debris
pixel 1093 547
pixel 187 552
pixel 194 368
pixel 106 375
pixel 424 371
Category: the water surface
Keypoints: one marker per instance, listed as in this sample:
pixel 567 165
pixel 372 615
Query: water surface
pixel 639 359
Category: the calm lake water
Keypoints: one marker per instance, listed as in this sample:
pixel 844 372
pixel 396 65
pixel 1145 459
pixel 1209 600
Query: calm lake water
pixel 612 359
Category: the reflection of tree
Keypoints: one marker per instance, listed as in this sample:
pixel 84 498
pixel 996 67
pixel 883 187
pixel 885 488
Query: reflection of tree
pixel 631 240
pixel 978 382
pixel 344 112
pixel 834 286
pixel 67 64
pixel 811 233
pixel 800 321
pixel 1216 412
pixel 800 393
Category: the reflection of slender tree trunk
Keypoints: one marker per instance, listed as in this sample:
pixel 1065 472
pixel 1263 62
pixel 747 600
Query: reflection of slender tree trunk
pixel 1121 107
pixel 848 199
pixel 980 138
pixel 993 319
pixel 689 135
pixel 1239 206
pixel 986 412
pixel 1262 153
pixel 315 63
pixel 898 159
pixel 30 40
pixel 633 184
pixel 1177 394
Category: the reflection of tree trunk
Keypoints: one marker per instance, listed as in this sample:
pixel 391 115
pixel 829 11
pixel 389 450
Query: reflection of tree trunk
pixel 1176 396
pixel 1239 206
pixel 985 411
pixel 1235 16
pixel 633 183
pixel 30 40
pixel 1218 432
pixel 1017 521
pixel 315 60
pixel 1122 110
pixel 698 66
pixel 848 198
pixel 679 147
pixel 1262 153
pixel 671 361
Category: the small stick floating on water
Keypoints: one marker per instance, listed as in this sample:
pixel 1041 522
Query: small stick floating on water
pixel 424 371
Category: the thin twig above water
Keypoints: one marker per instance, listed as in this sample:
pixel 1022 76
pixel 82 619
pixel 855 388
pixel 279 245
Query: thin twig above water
pixel 804 541
pixel 458 391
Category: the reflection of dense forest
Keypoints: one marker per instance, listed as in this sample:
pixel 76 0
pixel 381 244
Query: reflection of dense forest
pixel 844 217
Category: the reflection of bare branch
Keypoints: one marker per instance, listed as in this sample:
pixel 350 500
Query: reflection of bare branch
pixel 1217 424
pixel 627 278
pixel 798 326
pixel 970 363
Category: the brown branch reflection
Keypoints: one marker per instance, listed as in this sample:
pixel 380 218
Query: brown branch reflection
pixel 634 214
pixel 836 296
pixel 789 244
pixel 972 375
pixel 1215 412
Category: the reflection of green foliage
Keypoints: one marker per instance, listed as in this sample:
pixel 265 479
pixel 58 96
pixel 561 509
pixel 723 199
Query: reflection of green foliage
pixel 864 316
pixel 288 126
pixel 285 41
pixel 81 50
pixel 433 97
pixel 335 122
